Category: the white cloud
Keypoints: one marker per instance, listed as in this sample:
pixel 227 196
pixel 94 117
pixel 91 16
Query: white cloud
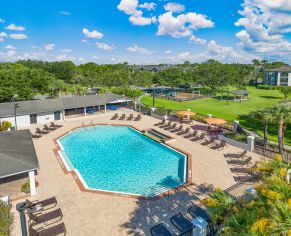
pixel 1 40
pixel 65 13
pixel 2 21
pixel 139 19
pixel 26 56
pixel 183 25
pixel 3 35
pixel 92 34
pixel 10 47
pixel 105 47
pixel 49 47
pixel 11 53
pixel 174 7
pixel 130 7
pixel 265 24
pixel 149 6
pixel 139 50
pixel 168 52
pixel 66 50
pixel 96 58
pixel 64 57
pixel 15 27
pixel 18 36
pixel 197 40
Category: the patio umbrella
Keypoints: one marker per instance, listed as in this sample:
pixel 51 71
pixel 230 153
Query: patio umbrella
pixel 215 121
pixel 186 113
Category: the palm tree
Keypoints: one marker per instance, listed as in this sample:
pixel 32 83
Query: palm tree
pixel 257 65
pixel 265 117
pixel 281 114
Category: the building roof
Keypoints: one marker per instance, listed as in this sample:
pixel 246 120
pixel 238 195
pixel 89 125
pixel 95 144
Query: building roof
pixel 282 69
pixel 239 92
pixel 49 105
pixel 17 153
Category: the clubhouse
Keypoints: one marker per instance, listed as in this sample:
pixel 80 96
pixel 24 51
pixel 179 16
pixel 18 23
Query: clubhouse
pixel 48 110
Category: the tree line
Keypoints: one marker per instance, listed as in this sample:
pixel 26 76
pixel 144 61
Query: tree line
pixel 29 78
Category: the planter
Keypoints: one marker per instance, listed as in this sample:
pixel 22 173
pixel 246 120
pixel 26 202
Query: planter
pixel 246 146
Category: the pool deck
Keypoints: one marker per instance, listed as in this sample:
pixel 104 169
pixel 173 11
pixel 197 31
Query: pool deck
pixel 87 213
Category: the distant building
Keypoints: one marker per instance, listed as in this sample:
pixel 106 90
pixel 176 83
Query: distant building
pixel 278 77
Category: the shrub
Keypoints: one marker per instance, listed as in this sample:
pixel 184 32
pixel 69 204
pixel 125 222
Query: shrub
pixel 267 87
pixel 6 219
pixel 237 136
pixel 25 188
pixel 5 125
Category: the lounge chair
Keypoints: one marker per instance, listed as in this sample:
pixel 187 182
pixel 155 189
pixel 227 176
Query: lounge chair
pixel 208 142
pixel 160 230
pixel 55 125
pixel 45 204
pixel 55 216
pixel 173 126
pixel 130 117
pixel 166 125
pixel 160 123
pixel 182 223
pixel 244 170
pixel 52 231
pixel 236 155
pixel 197 211
pixel 183 132
pixel 122 117
pixel 240 162
pixel 193 135
pixel 243 178
pixel 178 129
pixel 36 135
pixel 45 127
pixel 138 118
pixel 114 117
pixel 220 145
pixel 39 131
pixel 199 138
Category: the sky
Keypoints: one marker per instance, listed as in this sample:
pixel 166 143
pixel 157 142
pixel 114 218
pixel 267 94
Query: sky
pixel 145 31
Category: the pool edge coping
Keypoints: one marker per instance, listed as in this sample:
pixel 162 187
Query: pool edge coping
pixel 84 187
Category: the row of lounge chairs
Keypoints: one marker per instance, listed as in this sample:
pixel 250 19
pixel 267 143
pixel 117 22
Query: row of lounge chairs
pixel 193 136
pixel 184 225
pixel 45 130
pixel 45 217
pixel 241 166
pixel 123 117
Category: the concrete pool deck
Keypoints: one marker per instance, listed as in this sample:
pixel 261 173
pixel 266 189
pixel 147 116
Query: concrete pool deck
pixel 88 213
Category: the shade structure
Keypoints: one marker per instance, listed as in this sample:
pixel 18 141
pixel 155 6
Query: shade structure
pixel 186 113
pixel 215 121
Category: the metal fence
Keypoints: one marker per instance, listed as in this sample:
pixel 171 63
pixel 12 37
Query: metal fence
pixel 271 153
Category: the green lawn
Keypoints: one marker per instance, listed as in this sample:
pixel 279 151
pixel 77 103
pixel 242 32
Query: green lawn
pixel 259 98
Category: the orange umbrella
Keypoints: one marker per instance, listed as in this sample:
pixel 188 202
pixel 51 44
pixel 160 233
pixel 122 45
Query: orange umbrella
pixel 186 113
pixel 215 121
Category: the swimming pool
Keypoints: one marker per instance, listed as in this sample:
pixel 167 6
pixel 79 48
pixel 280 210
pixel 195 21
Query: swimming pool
pixel 120 159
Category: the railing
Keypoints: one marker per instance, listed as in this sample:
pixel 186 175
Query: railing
pixel 271 153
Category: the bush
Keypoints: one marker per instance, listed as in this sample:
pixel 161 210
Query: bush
pixel 5 125
pixel 25 188
pixel 267 87
pixel 237 136
pixel 6 219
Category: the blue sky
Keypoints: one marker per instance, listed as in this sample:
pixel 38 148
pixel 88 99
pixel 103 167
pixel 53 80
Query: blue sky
pixel 145 32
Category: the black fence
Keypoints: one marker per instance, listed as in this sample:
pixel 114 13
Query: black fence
pixel 286 155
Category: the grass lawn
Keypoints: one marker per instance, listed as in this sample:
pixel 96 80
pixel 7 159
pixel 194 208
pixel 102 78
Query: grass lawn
pixel 259 98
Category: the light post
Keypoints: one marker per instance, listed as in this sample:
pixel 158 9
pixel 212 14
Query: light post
pixel 15 107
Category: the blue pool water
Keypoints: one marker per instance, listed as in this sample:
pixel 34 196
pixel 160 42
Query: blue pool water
pixel 120 159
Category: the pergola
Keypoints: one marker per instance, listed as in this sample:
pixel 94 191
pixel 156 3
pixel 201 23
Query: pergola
pixel 239 95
